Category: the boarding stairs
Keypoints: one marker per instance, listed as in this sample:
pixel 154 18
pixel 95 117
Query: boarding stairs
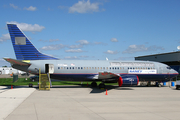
pixel 44 81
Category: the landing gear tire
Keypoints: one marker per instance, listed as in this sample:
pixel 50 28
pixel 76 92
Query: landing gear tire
pixel 102 86
pixel 158 85
pixel 93 84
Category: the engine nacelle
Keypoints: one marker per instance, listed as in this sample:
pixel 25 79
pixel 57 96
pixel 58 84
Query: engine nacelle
pixel 128 80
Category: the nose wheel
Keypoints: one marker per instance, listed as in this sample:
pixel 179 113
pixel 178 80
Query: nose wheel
pixel 93 84
pixel 158 84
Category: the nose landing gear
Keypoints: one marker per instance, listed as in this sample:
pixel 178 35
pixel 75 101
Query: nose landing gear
pixel 93 84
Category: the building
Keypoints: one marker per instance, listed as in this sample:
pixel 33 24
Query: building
pixel 172 59
pixel 9 70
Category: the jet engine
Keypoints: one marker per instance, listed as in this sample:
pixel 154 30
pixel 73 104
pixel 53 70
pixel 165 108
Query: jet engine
pixel 128 80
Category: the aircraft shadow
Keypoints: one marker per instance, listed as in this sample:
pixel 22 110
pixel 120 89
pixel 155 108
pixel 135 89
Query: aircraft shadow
pixel 94 90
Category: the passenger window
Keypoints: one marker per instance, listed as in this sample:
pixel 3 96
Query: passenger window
pixel 81 67
pixel 106 68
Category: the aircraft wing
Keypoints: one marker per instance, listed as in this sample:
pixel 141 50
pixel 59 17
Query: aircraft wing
pixel 105 75
pixel 18 62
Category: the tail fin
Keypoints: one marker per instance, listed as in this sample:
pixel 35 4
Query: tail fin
pixel 23 48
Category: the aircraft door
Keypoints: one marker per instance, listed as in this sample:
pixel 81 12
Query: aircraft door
pixel 49 68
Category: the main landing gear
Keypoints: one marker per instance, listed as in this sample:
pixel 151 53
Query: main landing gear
pixel 101 85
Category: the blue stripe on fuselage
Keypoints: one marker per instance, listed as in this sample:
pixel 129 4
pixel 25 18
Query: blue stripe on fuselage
pixel 89 76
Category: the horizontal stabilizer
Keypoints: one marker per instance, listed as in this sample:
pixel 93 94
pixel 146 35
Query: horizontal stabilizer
pixel 17 62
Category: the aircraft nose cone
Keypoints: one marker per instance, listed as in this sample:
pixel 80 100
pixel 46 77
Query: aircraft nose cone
pixel 175 72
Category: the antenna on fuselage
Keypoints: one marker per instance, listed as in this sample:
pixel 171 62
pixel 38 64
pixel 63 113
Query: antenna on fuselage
pixel 106 58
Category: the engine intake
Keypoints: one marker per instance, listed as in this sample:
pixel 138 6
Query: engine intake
pixel 128 80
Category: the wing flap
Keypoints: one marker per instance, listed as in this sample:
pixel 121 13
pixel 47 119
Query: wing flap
pixel 17 62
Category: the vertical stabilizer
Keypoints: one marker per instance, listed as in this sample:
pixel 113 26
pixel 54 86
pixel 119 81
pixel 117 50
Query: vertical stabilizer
pixel 23 48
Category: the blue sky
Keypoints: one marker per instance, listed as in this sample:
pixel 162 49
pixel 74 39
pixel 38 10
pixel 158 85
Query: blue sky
pixel 93 29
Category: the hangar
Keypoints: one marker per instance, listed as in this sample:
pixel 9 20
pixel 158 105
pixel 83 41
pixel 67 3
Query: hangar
pixel 172 59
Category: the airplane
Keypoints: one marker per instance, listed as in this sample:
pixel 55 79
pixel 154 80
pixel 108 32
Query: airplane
pixel 125 73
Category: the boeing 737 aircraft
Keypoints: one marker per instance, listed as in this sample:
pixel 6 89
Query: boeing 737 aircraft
pixel 125 73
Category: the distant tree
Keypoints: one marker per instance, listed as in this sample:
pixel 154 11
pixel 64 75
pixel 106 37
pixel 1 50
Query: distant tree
pixel 4 66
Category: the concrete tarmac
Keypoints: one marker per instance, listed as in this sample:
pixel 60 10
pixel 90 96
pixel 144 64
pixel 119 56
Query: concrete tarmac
pixel 84 103
pixel 10 99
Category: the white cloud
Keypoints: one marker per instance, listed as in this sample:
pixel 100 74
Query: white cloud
pixel 84 7
pixel 4 37
pixel 141 48
pixel 31 8
pixel 111 52
pixel 125 58
pixel 75 46
pixel 74 50
pixel 53 47
pixel 99 43
pixel 71 57
pixel 114 40
pixel 51 40
pixel 82 42
pixel 28 27
pixel 54 40
pixel 84 56
pixel 14 6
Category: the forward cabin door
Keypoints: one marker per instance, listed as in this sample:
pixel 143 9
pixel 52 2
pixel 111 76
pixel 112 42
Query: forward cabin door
pixel 49 68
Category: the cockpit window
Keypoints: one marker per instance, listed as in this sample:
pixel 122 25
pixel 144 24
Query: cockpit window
pixel 168 67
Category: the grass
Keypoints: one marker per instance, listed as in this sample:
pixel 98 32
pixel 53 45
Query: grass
pixel 23 81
